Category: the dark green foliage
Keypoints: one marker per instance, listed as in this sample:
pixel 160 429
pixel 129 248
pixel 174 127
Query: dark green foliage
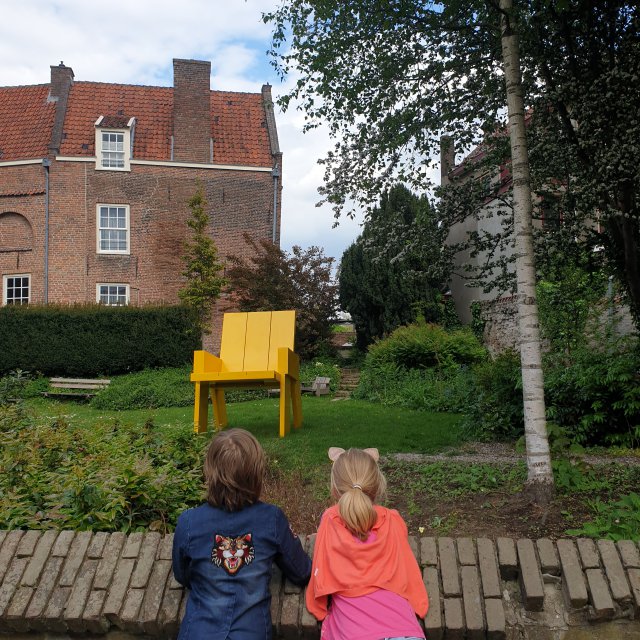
pixel 90 340
pixel 389 276
pixel 421 366
pixel 568 296
pixel 450 389
pixel 155 388
pixel 596 395
pixel 477 321
pixel 148 389
pixel 111 477
pixel 496 411
pixel 422 345
pixel 172 387
pixel 619 520
pixel 13 385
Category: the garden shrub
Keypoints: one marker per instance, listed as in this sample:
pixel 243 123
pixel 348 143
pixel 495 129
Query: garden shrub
pixel 90 340
pixel 421 366
pixel 111 477
pixel 309 371
pixel 420 389
pixel 595 395
pixel 172 387
pixel 423 345
pixel 496 410
pixel 155 388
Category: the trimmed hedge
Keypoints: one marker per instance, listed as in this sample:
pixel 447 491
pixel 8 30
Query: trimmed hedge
pixel 90 340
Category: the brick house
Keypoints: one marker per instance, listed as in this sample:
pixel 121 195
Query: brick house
pixel 95 179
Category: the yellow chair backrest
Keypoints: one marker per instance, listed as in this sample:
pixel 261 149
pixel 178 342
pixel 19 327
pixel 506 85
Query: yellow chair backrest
pixel 250 341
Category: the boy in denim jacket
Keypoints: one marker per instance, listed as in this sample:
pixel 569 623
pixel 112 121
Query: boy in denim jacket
pixel 223 550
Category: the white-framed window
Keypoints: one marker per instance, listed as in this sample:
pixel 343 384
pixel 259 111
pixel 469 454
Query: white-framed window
pixel 113 146
pixel 113 295
pixel 16 288
pixel 113 228
pixel 112 150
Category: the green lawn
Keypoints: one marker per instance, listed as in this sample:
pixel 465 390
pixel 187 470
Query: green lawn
pixel 350 423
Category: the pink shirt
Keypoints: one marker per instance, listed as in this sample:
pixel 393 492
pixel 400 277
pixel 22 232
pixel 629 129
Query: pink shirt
pixel 381 614
pixel 374 616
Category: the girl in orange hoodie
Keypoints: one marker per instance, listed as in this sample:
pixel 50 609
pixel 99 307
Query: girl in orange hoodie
pixel 365 581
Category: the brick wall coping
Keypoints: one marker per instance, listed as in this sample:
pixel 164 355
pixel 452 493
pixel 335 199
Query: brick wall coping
pixel 121 586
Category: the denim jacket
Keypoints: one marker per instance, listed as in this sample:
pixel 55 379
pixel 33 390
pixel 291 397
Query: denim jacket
pixel 225 559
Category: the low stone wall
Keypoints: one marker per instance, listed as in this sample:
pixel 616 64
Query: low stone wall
pixel 53 584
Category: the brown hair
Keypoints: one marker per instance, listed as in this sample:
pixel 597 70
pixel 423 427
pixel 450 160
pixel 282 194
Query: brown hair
pixel 356 483
pixel 234 470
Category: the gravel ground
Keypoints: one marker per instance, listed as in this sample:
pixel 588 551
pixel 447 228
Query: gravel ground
pixel 499 453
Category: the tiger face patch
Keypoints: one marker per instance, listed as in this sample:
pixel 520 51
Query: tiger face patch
pixel 232 553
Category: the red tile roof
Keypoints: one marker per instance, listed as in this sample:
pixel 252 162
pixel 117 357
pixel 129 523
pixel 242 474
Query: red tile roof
pixel 151 106
pixel 26 120
pixel 238 122
pixel 239 129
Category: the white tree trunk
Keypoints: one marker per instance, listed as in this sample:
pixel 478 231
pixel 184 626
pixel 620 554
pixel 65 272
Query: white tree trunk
pixel 540 475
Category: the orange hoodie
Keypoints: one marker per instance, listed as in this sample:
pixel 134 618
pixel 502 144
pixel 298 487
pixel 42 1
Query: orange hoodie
pixel 344 565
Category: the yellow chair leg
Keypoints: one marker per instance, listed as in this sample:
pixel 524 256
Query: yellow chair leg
pixel 201 407
pixel 219 408
pixel 285 400
pixel 296 401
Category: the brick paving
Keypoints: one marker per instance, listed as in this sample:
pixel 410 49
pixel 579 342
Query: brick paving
pixel 84 583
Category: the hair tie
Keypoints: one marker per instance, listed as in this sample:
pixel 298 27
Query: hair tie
pixel 356 486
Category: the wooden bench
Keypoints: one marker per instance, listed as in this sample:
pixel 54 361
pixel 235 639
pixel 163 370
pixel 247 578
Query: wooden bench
pixel 319 387
pixel 256 351
pixel 87 388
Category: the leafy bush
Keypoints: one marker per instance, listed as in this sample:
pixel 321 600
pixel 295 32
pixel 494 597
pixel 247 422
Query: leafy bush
pixel 618 520
pixel 154 388
pixel 148 389
pixel 108 478
pixel 595 395
pixel 89 340
pixel 12 386
pixel 496 411
pixel 422 345
pixel 421 389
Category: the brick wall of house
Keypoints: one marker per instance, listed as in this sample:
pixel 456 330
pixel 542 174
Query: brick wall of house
pixel 238 202
pixel 22 224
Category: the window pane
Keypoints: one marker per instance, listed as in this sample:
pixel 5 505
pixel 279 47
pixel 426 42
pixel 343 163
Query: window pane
pixel 113 294
pixel 17 289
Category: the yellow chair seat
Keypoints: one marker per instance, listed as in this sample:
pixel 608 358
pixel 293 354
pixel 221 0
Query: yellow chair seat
pixel 256 351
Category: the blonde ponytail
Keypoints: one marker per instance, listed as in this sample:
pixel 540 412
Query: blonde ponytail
pixel 356 483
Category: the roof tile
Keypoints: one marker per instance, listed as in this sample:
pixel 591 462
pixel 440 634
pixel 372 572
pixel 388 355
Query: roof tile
pixel 238 122
pixel 26 120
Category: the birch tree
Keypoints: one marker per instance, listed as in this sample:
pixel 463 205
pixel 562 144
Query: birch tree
pixel 540 474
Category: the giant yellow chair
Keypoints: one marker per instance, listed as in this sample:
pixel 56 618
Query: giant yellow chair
pixel 256 351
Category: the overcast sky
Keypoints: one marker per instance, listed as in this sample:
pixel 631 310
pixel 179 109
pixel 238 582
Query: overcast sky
pixel 135 41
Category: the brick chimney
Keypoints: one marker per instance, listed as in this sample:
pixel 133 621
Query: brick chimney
pixel 191 111
pixel 61 81
pixel 447 158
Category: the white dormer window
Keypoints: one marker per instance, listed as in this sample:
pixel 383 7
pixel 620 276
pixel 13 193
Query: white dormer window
pixel 112 150
pixel 114 141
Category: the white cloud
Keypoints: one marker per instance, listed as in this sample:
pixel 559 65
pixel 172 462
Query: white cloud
pixel 134 42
